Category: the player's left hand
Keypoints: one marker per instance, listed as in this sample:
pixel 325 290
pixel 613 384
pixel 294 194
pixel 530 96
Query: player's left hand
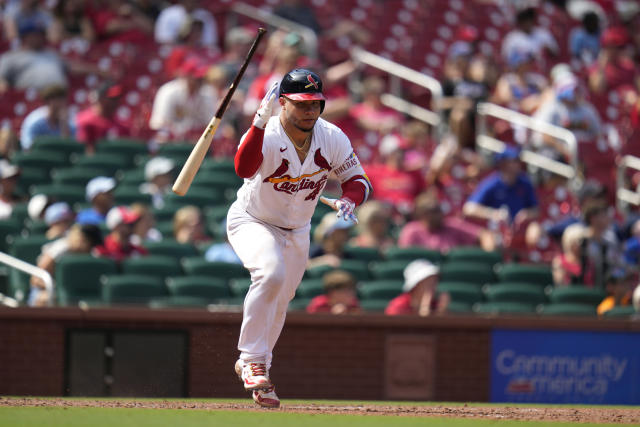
pixel 345 207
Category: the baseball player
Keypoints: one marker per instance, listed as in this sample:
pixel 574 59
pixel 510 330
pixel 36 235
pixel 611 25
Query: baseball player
pixel 285 161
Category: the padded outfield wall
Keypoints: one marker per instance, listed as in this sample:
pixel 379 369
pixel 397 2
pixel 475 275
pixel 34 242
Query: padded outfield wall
pixel 190 353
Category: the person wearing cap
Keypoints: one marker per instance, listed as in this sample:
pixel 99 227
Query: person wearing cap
pixel 419 292
pixel 584 41
pixel 339 295
pixel 59 218
pixel 520 88
pixel 505 196
pixel 17 13
pixel 9 175
pixel 330 237
pixel 620 284
pixel 159 175
pixel 117 244
pixel 528 36
pixel 37 206
pixel 172 19
pixel 183 106
pixel 613 67
pixel 50 119
pixel 99 120
pixel 81 239
pixel 99 192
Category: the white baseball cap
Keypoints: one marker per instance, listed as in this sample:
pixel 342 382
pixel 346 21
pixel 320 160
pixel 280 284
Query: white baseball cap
pixel 7 170
pixel 158 166
pixel 120 215
pixel 36 206
pixel 416 272
pixel 99 185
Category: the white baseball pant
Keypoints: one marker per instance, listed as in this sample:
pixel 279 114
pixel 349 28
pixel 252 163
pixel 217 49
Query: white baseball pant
pixel 276 259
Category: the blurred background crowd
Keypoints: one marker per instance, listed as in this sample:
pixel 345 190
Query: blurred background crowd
pixel 103 100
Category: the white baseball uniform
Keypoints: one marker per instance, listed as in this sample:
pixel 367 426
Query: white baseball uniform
pixel 268 225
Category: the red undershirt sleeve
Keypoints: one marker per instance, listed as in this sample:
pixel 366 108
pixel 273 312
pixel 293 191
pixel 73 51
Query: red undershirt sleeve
pixel 249 157
pixel 355 190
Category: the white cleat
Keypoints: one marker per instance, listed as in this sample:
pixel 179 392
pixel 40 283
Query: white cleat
pixel 253 375
pixel 266 398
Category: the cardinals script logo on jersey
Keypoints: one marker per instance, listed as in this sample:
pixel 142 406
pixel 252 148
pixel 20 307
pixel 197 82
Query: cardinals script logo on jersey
pixel 314 181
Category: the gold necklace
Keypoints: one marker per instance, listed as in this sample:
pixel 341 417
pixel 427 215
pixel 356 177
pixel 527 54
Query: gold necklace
pixel 301 148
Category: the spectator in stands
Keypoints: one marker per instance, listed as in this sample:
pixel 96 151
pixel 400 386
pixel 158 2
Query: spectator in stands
pixel 37 206
pixel 529 37
pixel 373 229
pixel 431 229
pixel 419 292
pixel 51 119
pixel 70 21
pixel 173 18
pixel 371 114
pixel 99 192
pixel 330 237
pixel 183 107
pixel 100 120
pixel 222 251
pixel 572 267
pixel 632 246
pixel 620 284
pixel 188 226
pixel 144 229
pixel 414 135
pixel 613 67
pixel 339 294
pixel 188 47
pixel 59 218
pixel 158 173
pixel 521 88
pixel 9 175
pixel 18 12
pixel 117 244
pixel 236 45
pixel 81 239
pixel 505 196
pixel 120 20
pixel 584 41
pixel 601 243
pixel 298 12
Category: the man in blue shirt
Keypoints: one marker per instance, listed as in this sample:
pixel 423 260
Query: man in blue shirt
pixel 99 192
pixel 505 196
pixel 51 119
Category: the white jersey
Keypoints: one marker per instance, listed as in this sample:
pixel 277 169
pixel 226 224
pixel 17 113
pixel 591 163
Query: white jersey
pixel 284 192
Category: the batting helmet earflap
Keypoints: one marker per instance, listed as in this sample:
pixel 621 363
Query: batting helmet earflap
pixel 302 85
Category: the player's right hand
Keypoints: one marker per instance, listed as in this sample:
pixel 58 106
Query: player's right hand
pixel 265 111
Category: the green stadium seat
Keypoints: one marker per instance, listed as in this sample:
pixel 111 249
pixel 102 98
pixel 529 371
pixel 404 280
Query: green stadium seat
pixel 515 292
pixel 299 304
pixel 176 151
pixel 166 213
pixel 210 288
pixel 43 160
pixel 413 253
pixel 620 311
pixel 219 180
pixel 78 277
pixel 172 248
pixel 109 163
pixel 125 147
pixel 74 176
pixel 166 229
pixel 35 228
pixel 218 164
pixel 318 271
pixel 464 292
pixel 200 197
pixel 8 227
pixel 127 195
pixel 216 214
pixel 178 301
pixel 471 272
pixel 310 288
pixel 374 305
pixel 530 273
pixel 240 286
pixel 132 289
pixel 380 289
pixel 363 254
pixel 502 307
pixel 577 294
pixel 459 307
pixel 474 254
pixel 389 269
pixel 568 309
pixel 152 265
pixel 20 212
pixel 68 146
pixel 198 266
pixel 30 176
pixel 27 249
pixel 357 267
pixel 131 177
pixel 60 192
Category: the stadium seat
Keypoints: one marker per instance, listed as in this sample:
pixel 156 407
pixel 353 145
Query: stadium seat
pixel 298 304
pixel 109 163
pixel 219 180
pixel 577 294
pixel 172 248
pixel 166 213
pixel 309 288
pixel 568 309
pixel 198 266
pixel 363 254
pixel 68 146
pixel 44 160
pixel 20 212
pixel 620 311
pixel 515 292
pixel 389 269
pixel 380 289
pixel 27 249
pixel 8 227
pixel 459 307
pixel 218 164
pixel 78 277
pixel 200 197
pixel 127 195
pixel 474 254
pixel 210 288
pixel 61 192
pixel 74 176
pixel 374 305
pixel 132 289
pixel 30 176
pixel 178 302
pixel 357 267
pixel 531 273
pixel 471 272
pixel 131 177
pixel 412 253
pixel 502 307
pixel 240 286
pixel 152 265
pixel 124 147
pixel 463 292
pixel 177 152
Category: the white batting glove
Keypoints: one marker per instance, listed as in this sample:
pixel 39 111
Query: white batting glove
pixel 265 111
pixel 344 207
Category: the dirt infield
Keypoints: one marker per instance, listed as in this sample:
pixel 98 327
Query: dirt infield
pixel 581 415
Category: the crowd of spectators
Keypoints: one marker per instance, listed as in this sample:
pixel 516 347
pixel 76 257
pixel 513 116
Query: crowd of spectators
pixel 434 190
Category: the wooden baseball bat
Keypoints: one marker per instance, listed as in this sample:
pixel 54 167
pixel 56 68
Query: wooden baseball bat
pixel 197 155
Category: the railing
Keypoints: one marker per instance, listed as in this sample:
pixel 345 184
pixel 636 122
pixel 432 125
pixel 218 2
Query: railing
pixel 399 72
pixel 624 196
pixel 25 267
pixel 484 141
pixel 308 36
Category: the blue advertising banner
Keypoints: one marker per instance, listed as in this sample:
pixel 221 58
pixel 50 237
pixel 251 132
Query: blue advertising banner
pixel 565 367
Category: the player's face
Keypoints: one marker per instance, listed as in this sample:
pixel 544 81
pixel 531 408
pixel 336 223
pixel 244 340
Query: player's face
pixel 301 114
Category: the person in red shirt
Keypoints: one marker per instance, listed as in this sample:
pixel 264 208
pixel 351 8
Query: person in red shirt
pixel 339 297
pixel 117 245
pixel 100 120
pixel 613 68
pixel 419 292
